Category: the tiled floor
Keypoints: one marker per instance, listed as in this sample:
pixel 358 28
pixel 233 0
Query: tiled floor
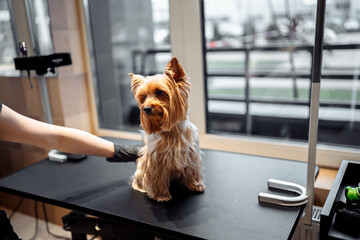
pixel 24 227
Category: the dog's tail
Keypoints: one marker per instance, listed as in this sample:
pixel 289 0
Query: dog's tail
pixel 124 153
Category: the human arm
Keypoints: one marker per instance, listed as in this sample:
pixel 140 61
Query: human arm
pixel 15 127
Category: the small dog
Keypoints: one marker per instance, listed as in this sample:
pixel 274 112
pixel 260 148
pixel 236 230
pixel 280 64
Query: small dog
pixel 171 149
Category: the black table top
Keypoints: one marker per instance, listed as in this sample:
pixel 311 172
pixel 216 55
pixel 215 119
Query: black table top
pixel 228 209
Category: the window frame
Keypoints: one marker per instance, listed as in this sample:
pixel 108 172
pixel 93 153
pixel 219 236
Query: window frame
pixel 14 73
pixel 187 43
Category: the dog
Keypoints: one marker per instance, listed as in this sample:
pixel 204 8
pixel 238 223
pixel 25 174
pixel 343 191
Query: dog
pixel 171 143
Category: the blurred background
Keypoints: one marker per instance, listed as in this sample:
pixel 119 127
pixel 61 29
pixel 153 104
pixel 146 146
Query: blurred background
pixel 258 58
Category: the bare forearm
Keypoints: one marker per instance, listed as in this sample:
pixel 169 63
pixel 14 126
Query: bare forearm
pixel 80 142
pixel 15 127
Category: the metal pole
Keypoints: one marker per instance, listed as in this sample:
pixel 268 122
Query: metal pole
pixel 314 108
pixel 45 98
pixel 248 124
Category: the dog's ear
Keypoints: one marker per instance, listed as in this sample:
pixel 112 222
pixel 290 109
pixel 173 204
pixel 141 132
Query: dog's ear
pixel 174 70
pixel 136 81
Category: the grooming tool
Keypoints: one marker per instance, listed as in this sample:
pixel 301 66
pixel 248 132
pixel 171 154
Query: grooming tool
pixel 58 156
pixel 352 194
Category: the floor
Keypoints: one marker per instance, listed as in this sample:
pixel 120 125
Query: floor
pixel 24 227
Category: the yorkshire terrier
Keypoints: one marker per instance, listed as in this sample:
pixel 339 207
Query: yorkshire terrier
pixel 171 143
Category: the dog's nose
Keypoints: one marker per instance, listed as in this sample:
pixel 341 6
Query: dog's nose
pixel 147 110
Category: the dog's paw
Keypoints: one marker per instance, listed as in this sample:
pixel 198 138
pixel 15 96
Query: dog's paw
pixel 135 185
pixel 163 197
pixel 199 187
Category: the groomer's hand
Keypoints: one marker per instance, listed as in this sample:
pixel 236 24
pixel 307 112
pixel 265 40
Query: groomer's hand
pixel 123 153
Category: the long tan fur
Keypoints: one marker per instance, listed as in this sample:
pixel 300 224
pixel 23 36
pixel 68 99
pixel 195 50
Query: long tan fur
pixel 171 147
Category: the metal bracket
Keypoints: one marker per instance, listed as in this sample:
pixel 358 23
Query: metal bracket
pixel 283 200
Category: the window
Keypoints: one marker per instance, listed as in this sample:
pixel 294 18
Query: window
pixel 258 69
pixel 7 41
pixel 249 67
pixel 39 21
pixel 127 36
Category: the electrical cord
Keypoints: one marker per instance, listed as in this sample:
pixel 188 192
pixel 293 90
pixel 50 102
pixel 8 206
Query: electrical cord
pixel 16 208
pixel 36 222
pixel 18 205
pixel 47 225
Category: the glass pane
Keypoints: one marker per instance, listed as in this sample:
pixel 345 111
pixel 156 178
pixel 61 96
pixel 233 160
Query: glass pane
pixel 258 69
pixel 226 87
pixel 7 41
pixel 126 37
pixel 225 63
pixel 40 26
pixel 269 88
pixel 280 61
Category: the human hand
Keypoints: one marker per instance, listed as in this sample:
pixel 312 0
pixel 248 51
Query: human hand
pixel 123 153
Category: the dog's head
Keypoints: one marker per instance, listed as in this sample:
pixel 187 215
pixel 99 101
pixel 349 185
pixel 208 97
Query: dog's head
pixel 162 98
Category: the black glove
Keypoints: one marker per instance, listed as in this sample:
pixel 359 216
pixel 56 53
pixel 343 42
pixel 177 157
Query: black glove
pixel 124 153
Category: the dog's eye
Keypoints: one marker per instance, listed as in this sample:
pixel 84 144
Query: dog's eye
pixel 142 98
pixel 159 93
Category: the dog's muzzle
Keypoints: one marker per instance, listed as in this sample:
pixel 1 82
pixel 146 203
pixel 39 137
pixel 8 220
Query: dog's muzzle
pixel 147 110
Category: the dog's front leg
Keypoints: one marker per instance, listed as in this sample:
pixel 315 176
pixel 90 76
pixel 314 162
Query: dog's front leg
pixel 193 179
pixel 158 187
pixel 137 182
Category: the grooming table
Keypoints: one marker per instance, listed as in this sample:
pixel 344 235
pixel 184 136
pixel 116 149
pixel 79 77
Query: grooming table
pixel 228 209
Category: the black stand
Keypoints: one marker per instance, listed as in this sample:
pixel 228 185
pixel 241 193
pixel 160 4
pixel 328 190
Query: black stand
pixel 79 225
